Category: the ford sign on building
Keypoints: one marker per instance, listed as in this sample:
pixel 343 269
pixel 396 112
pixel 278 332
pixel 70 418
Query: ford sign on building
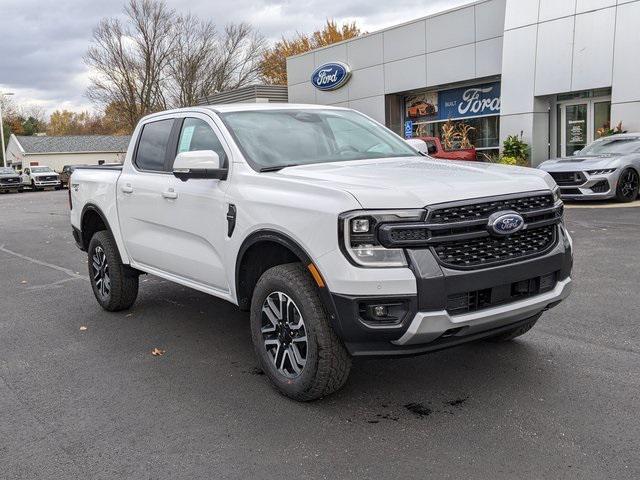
pixel 487 70
pixel 330 76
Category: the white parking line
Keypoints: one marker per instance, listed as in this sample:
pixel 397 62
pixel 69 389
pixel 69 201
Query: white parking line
pixel 71 273
pixel 589 204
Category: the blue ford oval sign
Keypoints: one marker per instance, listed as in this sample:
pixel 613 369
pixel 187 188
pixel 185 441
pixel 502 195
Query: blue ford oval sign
pixel 330 76
pixel 505 223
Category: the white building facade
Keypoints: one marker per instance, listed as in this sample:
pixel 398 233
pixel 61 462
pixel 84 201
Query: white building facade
pixel 553 71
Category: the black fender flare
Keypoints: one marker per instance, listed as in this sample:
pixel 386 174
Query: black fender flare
pixel 93 208
pixel 286 241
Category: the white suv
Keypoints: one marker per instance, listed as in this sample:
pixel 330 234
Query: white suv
pixel 336 235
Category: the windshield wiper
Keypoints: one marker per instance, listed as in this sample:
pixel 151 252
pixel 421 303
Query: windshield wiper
pixel 277 167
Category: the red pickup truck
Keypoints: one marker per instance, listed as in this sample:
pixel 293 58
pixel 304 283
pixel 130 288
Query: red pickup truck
pixel 435 149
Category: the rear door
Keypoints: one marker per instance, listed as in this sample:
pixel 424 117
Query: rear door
pixel 145 222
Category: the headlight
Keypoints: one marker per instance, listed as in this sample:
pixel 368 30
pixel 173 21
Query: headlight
pixel 602 171
pixel 556 195
pixel 359 236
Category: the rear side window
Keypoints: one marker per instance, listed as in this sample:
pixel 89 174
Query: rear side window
pixel 196 134
pixel 152 147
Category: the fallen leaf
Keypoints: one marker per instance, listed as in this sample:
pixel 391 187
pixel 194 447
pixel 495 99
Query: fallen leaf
pixel 157 352
pixel 23 281
pixel 83 328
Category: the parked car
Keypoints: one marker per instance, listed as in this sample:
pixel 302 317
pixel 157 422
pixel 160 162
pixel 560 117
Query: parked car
pixel 65 174
pixel 337 236
pixel 607 168
pixel 40 177
pixel 9 180
pixel 436 150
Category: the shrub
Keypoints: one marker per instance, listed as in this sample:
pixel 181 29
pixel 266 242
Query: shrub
pixel 514 147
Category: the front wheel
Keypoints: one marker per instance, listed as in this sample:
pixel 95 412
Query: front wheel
pixel 114 284
pixel 297 348
pixel 628 184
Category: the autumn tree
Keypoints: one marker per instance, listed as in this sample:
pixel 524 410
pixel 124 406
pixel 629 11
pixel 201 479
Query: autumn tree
pixel 273 67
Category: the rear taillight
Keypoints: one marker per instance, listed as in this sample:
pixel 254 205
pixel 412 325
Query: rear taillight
pixel 70 202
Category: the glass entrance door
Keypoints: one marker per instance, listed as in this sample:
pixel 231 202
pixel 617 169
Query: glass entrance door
pixel 575 127
pixel 580 121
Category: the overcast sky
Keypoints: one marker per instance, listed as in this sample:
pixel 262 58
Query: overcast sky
pixel 42 41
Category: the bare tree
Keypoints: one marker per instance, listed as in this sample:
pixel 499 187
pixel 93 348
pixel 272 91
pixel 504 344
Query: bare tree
pixel 240 53
pixel 156 59
pixel 194 56
pixel 130 61
pixel 205 62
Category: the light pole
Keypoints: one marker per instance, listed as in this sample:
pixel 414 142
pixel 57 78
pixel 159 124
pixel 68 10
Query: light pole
pixel 4 153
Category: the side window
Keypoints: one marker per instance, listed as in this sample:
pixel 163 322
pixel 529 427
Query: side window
pixel 152 146
pixel 196 134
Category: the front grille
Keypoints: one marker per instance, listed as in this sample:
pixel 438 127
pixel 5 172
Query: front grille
pixel 472 301
pixel 49 178
pixel 476 211
pixel 487 250
pixel 9 180
pixel 568 178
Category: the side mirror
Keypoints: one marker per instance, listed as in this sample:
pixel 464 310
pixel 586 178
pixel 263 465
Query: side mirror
pixel 418 144
pixel 198 164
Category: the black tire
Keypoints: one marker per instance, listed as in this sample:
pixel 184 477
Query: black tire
pixel 122 281
pixel 33 186
pixel 515 332
pixel 327 363
pixel 628 185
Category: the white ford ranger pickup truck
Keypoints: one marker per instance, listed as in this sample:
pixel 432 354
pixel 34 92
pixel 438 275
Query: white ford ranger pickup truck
pixel 337 236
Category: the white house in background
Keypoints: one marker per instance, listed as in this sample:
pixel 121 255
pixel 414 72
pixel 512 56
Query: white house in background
pixel 555 70
pixel 58 151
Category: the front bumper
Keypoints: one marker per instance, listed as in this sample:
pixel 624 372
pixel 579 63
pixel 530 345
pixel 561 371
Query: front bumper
pixel 594 187
pixel 48 183
pixel 431 322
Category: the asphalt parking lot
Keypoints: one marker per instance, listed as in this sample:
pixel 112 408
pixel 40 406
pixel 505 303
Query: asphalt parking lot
pixel 561 402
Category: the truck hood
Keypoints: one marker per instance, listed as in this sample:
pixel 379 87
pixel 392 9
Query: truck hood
pixel 417 182
pixel 573 164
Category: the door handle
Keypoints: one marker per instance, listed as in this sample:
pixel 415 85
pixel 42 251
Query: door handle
pixel 126 188
pixel 171 194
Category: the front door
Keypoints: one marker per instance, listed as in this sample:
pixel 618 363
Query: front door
pixel 199 211
pixel 580 121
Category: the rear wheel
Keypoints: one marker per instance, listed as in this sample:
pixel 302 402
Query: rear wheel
pixel 515 332
pixel 297 348
pixel 114 284
pixel 628 184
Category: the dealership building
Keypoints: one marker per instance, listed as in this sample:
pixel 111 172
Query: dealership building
pixel 554 71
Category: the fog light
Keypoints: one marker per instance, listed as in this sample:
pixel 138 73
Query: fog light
pixel 378 314
pixel 380 311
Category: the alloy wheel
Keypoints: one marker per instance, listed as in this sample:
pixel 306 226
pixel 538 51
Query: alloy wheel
pixel 100 267
pixel 629 184
pixel 284 334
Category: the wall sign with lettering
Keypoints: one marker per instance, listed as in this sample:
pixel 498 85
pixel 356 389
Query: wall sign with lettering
pixel 330 76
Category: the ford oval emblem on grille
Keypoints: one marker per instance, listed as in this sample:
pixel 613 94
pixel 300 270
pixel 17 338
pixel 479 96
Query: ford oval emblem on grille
pixel 505 223
pixel 330 76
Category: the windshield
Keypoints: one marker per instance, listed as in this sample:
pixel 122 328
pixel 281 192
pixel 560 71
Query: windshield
pixel 619 146
pixel 272 139
pixel 40 169
pixel 6 170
